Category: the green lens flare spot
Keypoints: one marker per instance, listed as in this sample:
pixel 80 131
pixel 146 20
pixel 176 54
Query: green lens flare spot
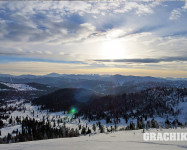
pixel 73 111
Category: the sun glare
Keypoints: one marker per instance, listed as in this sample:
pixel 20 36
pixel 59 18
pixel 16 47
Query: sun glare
pixel 113 49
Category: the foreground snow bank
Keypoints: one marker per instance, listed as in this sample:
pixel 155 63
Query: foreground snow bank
pixel 114 141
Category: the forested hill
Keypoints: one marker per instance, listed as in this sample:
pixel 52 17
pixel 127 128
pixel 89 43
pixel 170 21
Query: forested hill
pixel 64 99
pixel 151 102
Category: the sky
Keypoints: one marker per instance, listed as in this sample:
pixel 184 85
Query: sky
pixel 143 38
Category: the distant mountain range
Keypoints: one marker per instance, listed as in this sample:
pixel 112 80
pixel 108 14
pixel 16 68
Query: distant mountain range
pixel 104 84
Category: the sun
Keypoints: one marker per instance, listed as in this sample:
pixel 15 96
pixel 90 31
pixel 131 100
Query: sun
pixel 113 49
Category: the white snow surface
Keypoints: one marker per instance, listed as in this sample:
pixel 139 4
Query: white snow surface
pixel 6 130
pixel 122 140
pixel 20 87
pixel 183 107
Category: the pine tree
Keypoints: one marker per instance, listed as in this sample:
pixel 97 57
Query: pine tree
pixel 83 131
pixel 9 137
pixel 1 123
pixel 102 129
pixel 88 131
pixel 94 127
pixel 10 120
pixel 79 127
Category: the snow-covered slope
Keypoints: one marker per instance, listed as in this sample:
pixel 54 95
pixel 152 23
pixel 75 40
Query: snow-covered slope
pixel 74 123
pixel 182 106
pixel 121 140
pixel 19 87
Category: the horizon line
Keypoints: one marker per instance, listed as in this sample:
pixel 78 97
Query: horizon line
pixel 92 74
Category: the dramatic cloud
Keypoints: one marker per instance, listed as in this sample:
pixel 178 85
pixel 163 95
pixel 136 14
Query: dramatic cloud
pixel 79 32
pixel 146 60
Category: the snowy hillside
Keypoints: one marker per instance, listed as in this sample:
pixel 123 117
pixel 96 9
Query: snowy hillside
pixel 119 141
pixel 22 109
pixel 183 107
pixel 19 87
pixel 34 111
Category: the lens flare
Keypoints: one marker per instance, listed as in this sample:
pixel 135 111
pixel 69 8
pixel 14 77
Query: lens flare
pixel 73 111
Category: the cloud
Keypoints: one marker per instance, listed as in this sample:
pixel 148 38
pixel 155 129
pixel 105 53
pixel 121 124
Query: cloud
pixel 47 31
pixel 177 13
pixel 9 54
pixel 23 59
pixel 75 32
pixel 138 7
pixel 59 22
pixel 145 60
pixel 185 5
